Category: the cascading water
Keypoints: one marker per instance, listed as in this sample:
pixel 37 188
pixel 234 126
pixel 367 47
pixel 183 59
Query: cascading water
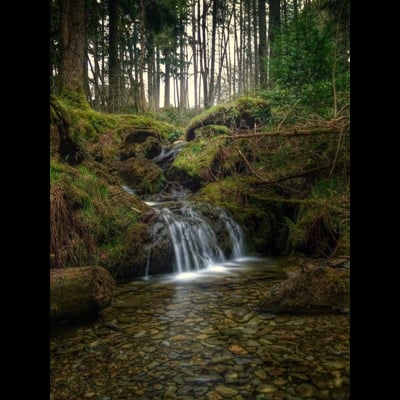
pixel 198 238
pixel 235 234
pixel 195 242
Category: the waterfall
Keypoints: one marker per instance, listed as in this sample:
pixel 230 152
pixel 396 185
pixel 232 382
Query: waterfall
pixel 200 239
pixel 194 241
pixel 235 234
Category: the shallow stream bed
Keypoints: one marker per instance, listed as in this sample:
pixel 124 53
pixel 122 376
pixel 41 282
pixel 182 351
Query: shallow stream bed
pixel 200 337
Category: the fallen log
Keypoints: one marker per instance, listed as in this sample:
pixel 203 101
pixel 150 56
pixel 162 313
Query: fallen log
pixel 80 290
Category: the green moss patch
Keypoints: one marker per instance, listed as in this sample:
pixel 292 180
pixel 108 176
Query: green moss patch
pixel 91 221
pixel 198 162
pixel 242 113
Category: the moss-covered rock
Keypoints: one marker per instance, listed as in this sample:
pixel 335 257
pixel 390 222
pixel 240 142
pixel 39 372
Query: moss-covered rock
pixel 263 222
pixel 142 175
pixel 94 222
pixel 211 130
pixel 198 162
pixel 321 289
pixel 141 146
pixel 77 131
pixel 322 223
pixel 242 113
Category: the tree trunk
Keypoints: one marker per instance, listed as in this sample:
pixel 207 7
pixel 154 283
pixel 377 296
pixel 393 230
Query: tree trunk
pixel 262 44
pixel 249 55
pixel 211 93
pixel 113 95
pixel 274 26
pixel 255 40
pixel 77 291
pixel 204 64
pixel 167 89
pixel 72 41
pixel 143 105
pixel 150 71
pixel 195 72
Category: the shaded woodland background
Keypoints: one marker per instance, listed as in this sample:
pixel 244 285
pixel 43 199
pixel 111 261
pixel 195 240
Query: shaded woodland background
pixel 150 54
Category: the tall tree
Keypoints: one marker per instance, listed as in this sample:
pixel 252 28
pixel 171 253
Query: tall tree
pixel 114 66
pixel 72 40
pixel 274 24
pixel 262 44
pixel 194 52
pixel 210 99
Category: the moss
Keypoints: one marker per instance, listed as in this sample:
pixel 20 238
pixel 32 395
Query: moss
pixel 63 144
pixel 211 130
pixel 262 222
pixel 242 113
pixel 142 175
pixel 78 132
pixel 74 99
pixel 322 226
pixel 198 162
pixel 92 222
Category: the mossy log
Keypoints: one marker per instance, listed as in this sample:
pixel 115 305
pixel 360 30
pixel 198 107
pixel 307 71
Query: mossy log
pixel 321 289
pixel 80 290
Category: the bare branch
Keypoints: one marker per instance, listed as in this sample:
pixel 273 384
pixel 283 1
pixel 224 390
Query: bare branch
pixel 284 178
pixel 308 132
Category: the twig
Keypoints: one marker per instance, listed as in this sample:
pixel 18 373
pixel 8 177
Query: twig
pixel 284 118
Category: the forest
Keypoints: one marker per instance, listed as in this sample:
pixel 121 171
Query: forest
pixel 190 137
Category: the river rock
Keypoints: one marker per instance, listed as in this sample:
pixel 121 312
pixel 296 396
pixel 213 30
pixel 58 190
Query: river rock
pixel 321 289
pixel 226 391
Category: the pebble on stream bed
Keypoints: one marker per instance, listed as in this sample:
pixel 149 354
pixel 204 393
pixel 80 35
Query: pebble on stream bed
pixel 200 341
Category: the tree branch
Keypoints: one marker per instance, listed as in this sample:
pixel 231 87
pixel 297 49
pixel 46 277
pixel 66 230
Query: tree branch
pixel 307 132
pixel 284 178
pixel 298 175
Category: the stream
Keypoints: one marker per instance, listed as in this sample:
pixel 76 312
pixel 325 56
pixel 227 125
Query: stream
pixel 197 336
pixel 195 333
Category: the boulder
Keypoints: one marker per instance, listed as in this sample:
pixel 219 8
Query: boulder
pixel 141 174
pixel 320 289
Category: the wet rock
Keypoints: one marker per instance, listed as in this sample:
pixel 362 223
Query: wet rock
pixel 266 316
pixel 305 390
pixel 321 289
pixel 335 364
pixel 239 314
pixel 239 350
pixel 226 391
pixel 213 395
pixel 200 391
pixel 231 332
pixel 260 373
pixel 204 378
pixel 266 388
pixel 257 359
